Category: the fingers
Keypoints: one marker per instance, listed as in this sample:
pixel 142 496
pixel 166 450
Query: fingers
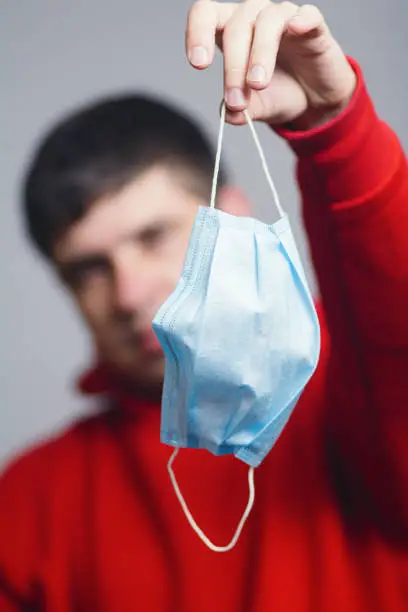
pixel 307 19
pixel 251 41
pixel 236 42
pixel 251 32
pixel 203 20
pixel 270 26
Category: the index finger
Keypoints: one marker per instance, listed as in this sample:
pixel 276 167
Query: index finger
pixel 204 19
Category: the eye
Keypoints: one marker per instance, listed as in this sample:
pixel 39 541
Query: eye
pixel 153 237
pixel 79 274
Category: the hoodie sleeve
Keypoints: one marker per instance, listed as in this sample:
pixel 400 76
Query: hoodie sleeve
pixel 353 178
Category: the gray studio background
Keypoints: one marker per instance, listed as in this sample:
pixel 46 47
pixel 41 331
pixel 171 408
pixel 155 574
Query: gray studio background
pixel 55 54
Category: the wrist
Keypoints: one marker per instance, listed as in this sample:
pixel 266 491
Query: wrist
pixel 314 118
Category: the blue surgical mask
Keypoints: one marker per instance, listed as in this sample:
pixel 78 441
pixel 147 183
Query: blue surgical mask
pixel 240 336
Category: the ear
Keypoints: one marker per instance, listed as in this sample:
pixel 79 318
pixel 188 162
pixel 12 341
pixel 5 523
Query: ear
pixel 232 200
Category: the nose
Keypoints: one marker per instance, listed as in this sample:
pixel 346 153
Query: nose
pixel 132 284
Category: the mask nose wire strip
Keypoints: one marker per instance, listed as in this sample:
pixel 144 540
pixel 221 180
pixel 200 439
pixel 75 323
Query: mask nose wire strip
pixel 261 155
pixel 190 518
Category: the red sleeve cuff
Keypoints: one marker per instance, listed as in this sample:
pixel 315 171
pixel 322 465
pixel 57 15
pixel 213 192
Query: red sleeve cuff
pixel 347 124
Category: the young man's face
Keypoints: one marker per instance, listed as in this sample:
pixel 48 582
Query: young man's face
pixel 121 261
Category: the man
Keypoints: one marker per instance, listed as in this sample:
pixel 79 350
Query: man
pixel 89 521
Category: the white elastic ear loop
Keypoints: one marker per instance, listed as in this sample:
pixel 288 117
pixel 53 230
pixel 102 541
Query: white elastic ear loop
pixel 190 517
pixel 261 155
pixel 217 158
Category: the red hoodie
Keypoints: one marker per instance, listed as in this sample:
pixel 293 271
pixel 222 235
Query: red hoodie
pixel 89 521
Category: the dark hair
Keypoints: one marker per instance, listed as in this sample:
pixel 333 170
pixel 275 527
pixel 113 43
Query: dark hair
pixel 100 148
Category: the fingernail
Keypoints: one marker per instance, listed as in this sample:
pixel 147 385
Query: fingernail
pixel 257 74
pixel 235 97
pixel 198 56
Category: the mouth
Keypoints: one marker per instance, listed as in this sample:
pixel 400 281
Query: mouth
pixel 142 339
pixel 149 342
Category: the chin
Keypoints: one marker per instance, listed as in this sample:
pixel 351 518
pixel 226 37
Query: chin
pixel 146 377
pixel 141 372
